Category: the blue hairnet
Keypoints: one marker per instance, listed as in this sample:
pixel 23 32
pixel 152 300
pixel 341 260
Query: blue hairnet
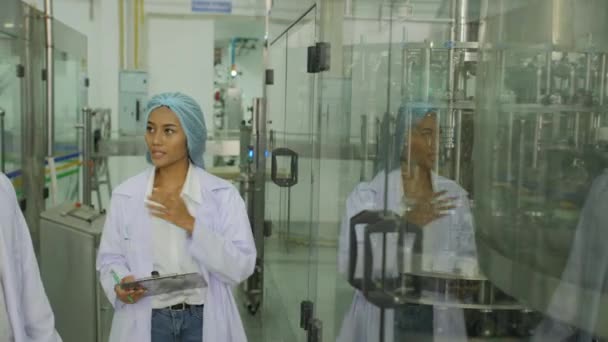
pixel 191 118
pixel 406 118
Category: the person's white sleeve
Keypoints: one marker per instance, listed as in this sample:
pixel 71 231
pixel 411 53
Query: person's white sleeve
pixel 38 318
pixel 111 256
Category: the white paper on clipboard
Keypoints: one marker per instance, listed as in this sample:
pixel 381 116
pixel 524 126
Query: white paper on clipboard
pixel 167 284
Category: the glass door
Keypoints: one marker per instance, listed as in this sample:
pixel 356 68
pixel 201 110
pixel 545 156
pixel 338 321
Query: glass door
pixel 353 153
pixel 289 254
pixel 10 107
pixel 384 247
pixel 70 97
pixel 496 112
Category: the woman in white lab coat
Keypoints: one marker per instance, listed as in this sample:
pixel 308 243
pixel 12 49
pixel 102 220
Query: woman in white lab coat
pixel 25 312
pixel 434 206
pixel 176 218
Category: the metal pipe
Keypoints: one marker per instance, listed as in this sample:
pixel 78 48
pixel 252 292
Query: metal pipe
pixel 87 174
pixel 451 52
pixel 136 34
pixel 33 114
pixel 595 127
pixel 549 74
pixel 461 20
pixel 403 65
pixel 410 68
pixel 521 160
pixel 387 166
pixel 142 13
pixel 539 73
pixel 389 68
pixel 288 237
pixel 538 124
pixel 362 52
pixel 427 75
pixel 588 72
pixel 364 146
pixel 121 33
pixel 405 20
pixel 458 145
pixel 510 149
pixel 437 145
pixel 2 141
pixel 501 18
pixel 50 77
pixel 577 125
pixel 572 83
pixel 537 136
pixel 602 79
pixel 348 8
pixel 501 75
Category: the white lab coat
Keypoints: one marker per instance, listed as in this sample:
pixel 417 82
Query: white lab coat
pixel 448 239
pixel 29 311
pixel 584 282
pixel 222 245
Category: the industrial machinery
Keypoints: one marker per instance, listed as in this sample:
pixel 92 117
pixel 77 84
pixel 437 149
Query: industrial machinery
pixel 252 183
pixel 101 130
pixel 69 239
pixel 541 103
pixel 521 90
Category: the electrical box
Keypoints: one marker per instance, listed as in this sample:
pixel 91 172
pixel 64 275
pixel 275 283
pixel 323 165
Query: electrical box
pixel 133 88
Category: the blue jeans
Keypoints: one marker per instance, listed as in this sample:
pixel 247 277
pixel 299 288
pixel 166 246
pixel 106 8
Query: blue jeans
pixel 177 325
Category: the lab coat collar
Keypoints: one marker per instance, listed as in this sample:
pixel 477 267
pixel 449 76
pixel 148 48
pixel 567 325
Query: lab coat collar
pixel 440 183
pixel 201 179
pixel 191 188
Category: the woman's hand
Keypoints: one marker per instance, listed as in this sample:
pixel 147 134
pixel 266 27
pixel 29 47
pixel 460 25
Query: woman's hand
pixel 423 207
pixel 171 208
pixel 428 209
pixel 128 296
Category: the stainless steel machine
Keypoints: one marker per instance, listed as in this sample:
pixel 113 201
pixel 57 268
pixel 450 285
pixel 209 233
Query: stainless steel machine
pixel 541 103
pixel 252 183
pixel 69 239
pixel 519 91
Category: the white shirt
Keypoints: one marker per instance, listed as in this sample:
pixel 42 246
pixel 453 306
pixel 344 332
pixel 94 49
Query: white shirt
pixel 6 332
pixel 170 250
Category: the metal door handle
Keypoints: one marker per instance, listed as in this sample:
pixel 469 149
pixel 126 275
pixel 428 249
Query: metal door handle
pixel 137 110
pixel 293 177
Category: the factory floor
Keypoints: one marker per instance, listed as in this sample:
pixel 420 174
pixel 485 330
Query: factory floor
pixel 292 275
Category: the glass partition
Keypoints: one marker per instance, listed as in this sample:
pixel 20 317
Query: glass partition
pixel 285 13
pixel 12 44
pixel 461 172
pixel 70 97
pixel 289 266
pixel 10 103
pixel 540 147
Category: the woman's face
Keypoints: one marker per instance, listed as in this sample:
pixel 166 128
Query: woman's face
pixel 423 142
pixel 165 138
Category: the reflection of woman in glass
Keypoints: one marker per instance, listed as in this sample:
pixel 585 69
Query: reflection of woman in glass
pixel 436 210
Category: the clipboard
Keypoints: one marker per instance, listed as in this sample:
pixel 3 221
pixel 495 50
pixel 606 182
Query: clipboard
pixel 166 284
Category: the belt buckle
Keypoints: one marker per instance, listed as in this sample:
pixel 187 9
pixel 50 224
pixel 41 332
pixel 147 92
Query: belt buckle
pixel 179 307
